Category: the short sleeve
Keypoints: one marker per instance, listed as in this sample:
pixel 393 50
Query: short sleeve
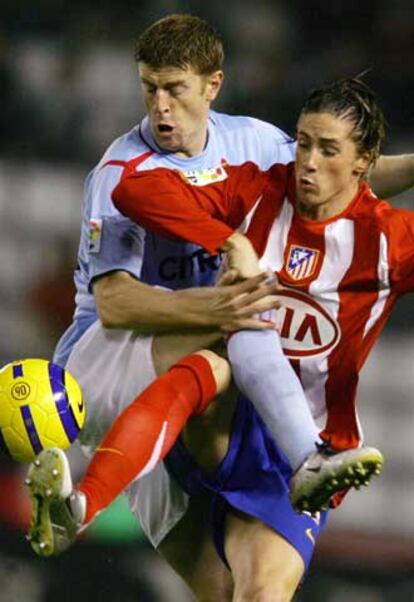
pixel 121 247
pixel 109 240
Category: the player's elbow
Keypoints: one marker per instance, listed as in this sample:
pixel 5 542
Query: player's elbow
pixel 107 295
pixel 108 318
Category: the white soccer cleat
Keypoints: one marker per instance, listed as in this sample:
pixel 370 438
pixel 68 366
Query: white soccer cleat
pixel 325 472
pixel 57 509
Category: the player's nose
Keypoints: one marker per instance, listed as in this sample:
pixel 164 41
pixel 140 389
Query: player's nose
pixel 310 160
pixel 161 102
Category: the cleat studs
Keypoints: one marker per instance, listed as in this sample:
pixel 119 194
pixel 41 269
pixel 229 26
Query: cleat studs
pixel 334 482
pixel 37 462
pixel 27 481
pixel 55 472
pixel 42 545
pixel 347 482
pixel 48 492
pixel 377 470
pixel 28 537
pixel 350 471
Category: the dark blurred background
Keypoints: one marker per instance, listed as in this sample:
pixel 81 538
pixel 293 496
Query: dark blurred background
pixel 68 87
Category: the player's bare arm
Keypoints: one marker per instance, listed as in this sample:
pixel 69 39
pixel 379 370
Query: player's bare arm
pixel 124 302
pixel 392 175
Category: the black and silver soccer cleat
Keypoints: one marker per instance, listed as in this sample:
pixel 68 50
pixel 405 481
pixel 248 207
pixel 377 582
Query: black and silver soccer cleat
pixel 325 472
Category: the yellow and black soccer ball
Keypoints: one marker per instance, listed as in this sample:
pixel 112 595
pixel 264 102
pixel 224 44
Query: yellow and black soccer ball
pixel 41 406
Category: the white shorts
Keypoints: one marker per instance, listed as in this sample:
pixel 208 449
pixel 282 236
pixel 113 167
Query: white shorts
pixel 112 368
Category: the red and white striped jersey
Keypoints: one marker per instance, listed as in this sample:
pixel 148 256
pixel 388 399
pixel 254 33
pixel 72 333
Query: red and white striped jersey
pixel 342 275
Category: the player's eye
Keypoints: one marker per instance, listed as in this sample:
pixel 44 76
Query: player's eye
pixel 150 89
pixel 303 143
pixel 329 151
pixel 177 90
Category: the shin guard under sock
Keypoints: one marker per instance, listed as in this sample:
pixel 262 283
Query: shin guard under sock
pixel 263 373
pixel 145 431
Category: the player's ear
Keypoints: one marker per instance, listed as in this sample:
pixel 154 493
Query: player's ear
pixel 214 81
pixel 362 163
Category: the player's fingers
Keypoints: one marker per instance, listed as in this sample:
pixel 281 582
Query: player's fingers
pixel 248 285
pixel 248 324
pixel 260 293
pixel 260 306
pixel 228 277
pixel 265 304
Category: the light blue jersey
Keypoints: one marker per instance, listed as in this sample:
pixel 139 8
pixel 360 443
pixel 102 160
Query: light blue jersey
pixel 109 241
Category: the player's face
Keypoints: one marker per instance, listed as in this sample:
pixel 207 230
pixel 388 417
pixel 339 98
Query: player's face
pixel 328 165
pixel 178 101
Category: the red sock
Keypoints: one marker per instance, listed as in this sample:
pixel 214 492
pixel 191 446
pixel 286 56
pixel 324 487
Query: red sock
pixel 145 431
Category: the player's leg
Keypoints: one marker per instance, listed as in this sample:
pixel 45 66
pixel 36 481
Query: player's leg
pixel 136 442
pixel 264 374
pixel 262 562
pixel 189 550
pixel 264 566
pixel 267 558
pixel 266 377
pixel 145 431
pixel 189 547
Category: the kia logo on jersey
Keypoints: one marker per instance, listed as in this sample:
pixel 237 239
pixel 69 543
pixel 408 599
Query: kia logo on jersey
pixel 301 262
pixel 305 327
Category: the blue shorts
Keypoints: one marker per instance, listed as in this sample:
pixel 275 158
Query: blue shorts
pixel 253 478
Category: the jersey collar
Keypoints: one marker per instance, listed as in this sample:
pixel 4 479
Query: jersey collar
pixel 145 134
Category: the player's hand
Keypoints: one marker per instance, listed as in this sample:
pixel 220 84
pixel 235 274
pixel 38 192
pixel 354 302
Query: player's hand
pixel 240 255
pixel 229 277
pixel 236 306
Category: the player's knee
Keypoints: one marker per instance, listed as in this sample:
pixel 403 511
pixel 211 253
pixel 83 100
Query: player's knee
pixel 220 368
pixel 257 585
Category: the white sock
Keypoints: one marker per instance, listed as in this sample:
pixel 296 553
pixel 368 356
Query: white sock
pixel 263 373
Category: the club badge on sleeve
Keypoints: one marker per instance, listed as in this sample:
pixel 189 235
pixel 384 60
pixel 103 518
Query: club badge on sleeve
pixel 202 177
pixel 95 235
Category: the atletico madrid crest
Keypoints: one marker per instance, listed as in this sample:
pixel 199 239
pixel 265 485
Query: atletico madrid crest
pixel 301 262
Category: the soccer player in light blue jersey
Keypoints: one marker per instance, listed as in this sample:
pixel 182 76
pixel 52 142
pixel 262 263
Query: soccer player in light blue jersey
pixel 122 303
